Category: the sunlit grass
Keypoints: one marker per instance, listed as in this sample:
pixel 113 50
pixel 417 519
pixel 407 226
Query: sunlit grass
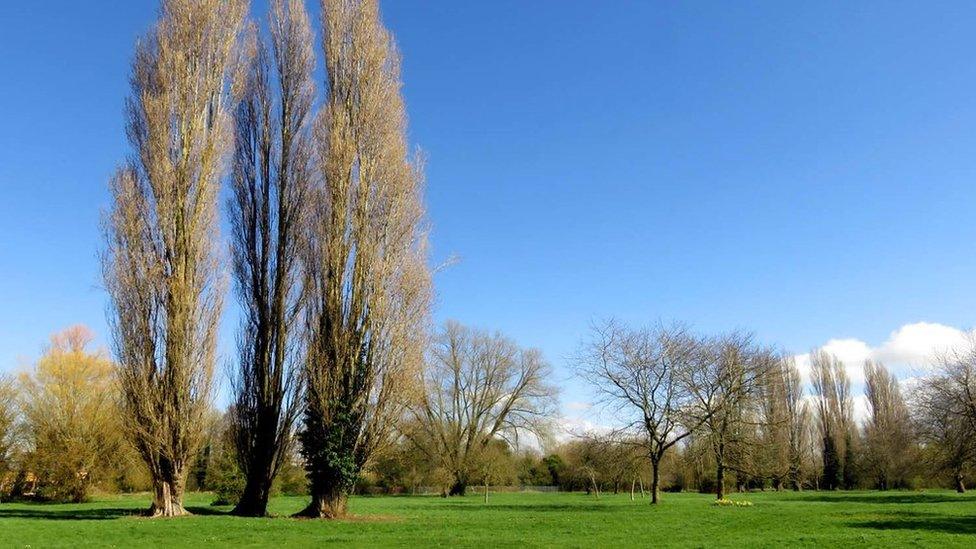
pixel 932 518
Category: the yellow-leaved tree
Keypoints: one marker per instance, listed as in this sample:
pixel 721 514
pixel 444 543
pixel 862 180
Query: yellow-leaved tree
pixel 7 415
pixel 68 402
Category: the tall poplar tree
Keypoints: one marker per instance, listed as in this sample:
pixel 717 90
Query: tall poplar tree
pixel 161 263
pixel 271 182
pixel 366 265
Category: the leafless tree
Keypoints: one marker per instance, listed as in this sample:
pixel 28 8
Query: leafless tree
pixel 832 389
pixel 641 376
pixel 271 181
pixel 771 459
pixel 781 427
pixel 945 411
pixel 366 265
pixel 887 433
pixel 725 380
pixel 956 380
pixel 797 416
pixel 943 429
pixel 161 262
pixel 478 388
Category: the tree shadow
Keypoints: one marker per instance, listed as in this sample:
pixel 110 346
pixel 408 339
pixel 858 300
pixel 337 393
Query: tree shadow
pixel 527 508
pixel 920 521
pixel 883 498
pixel 208 511
pixel 105 513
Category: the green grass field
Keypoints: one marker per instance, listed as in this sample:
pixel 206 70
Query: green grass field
pixel 931 518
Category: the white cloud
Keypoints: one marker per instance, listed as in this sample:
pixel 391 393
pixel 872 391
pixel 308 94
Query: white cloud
pixel 910 348
pixel 860 409
pixel 916 345
pixel 852 352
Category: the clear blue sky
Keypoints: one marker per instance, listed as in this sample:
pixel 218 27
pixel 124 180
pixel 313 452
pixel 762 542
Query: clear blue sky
pixel 804 170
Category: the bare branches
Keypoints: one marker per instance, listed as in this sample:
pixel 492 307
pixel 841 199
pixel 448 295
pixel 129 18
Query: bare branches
pixel 642 376
pixel 271 182
pixel 161 262
pixel 366 265
pixel 478 388
pixel 726 381
pixel 832 389
pixel 945 411
pixel 887 436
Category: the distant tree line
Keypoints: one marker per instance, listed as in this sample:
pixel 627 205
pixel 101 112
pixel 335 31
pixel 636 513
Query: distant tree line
pixel 482 415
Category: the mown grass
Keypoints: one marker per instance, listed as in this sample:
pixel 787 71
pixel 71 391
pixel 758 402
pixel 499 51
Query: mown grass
pixel 893 519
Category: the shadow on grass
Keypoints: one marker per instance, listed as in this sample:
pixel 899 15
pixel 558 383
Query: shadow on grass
pixel 106 513
pixel 208 511
pixel 481 507
pixel 922 522
pixel 883 498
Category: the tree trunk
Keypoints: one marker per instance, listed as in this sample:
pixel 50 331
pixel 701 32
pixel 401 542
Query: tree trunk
pixel 960 484
pixel 254 499
pixel 720 480
pixel 331 505
pixel 486 490
pixel 459 488
pixel 633 483
pixel 655 480
pixel 596 489
pixel 640 482
pixel 167 499
pixel 795 481
pixel 794 476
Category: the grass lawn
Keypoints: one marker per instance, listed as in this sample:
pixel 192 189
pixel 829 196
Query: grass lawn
pixel 931 518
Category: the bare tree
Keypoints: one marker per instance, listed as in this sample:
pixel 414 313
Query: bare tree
pixel 772 427
pixel 781 427
pixel 724 381
pixel 161 262
pixel 271 181
pixel 945 411
pixel 641 376
pixel 944 430
pixel 478 388
pixel 832 388
pixel 366 267
pixel 955 379
pixel 797 415
pixel 887 434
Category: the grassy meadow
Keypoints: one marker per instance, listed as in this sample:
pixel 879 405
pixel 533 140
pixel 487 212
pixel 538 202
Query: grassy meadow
pixel 785 519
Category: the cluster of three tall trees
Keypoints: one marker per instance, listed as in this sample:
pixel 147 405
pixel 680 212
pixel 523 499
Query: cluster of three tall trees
pixel 328 249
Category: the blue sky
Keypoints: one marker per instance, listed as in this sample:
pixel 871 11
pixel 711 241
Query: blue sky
pixel 801 170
